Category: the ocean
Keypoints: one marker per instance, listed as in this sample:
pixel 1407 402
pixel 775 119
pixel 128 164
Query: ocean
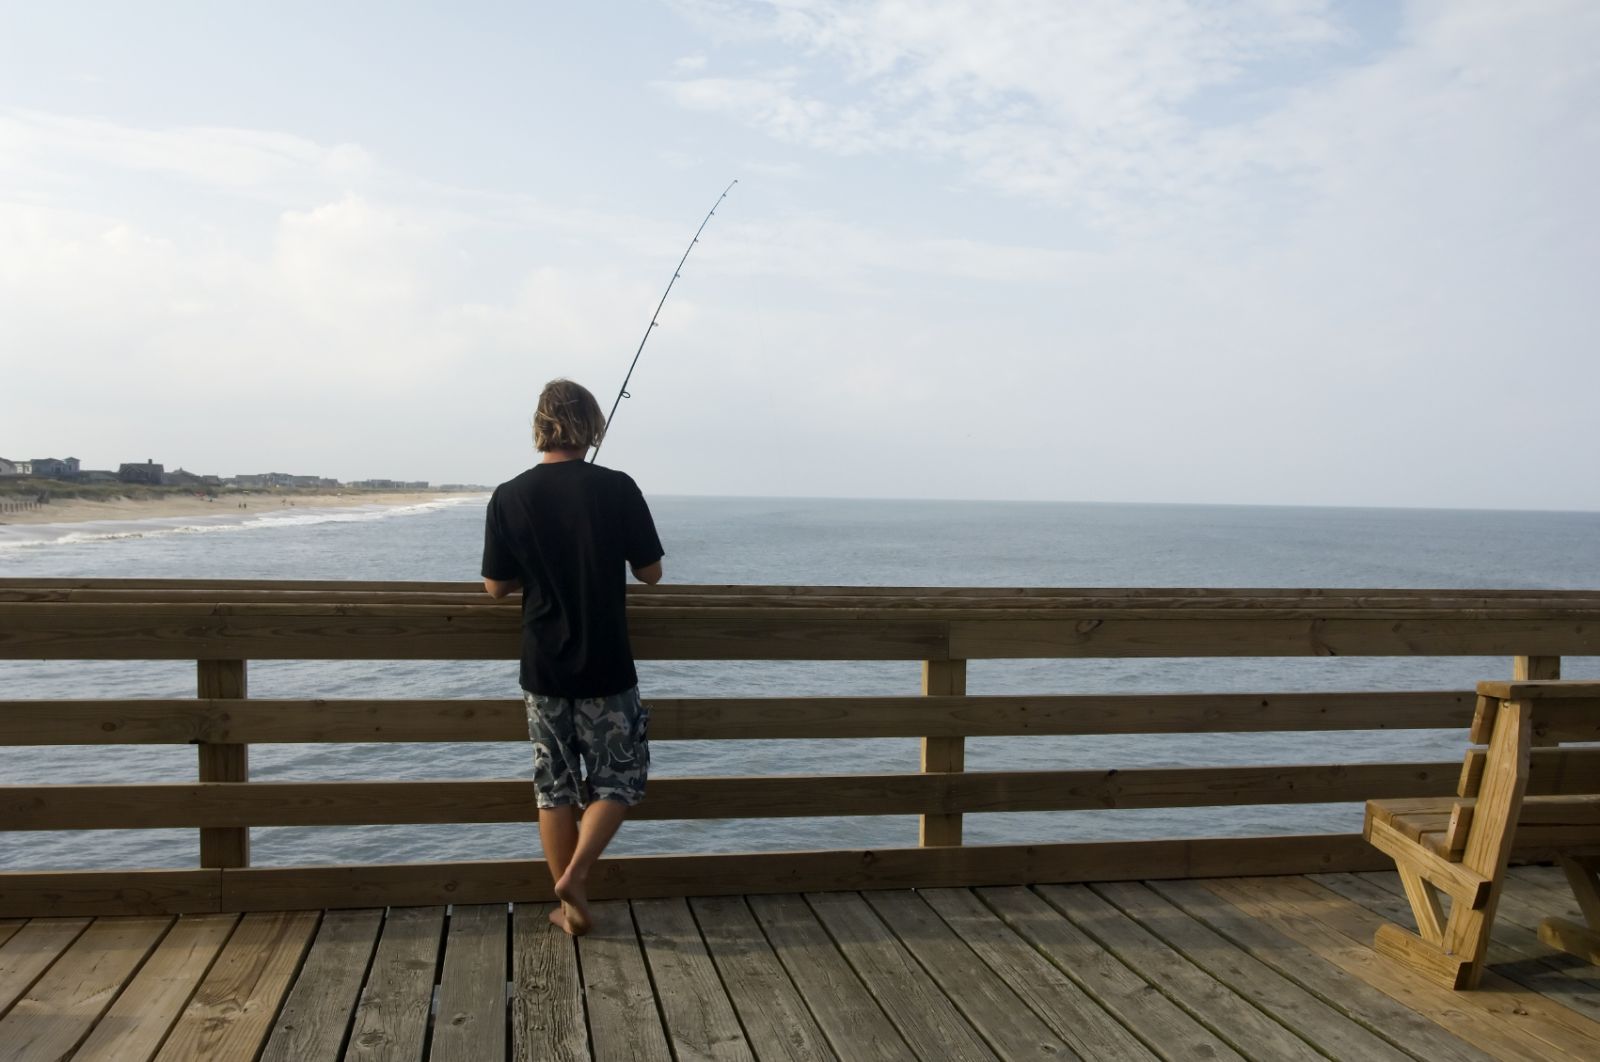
pixel 799 541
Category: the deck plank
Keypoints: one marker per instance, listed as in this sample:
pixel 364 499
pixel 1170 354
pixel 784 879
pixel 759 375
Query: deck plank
pixel 1014 973
pixel 471 1022
pixel 994 1010
pixel 1246 1028
pixel 1164 1027
pixel 700 1019
pixel 1548 882
pixel 317 1015
pixel 1515 953
pixel 391 1022
pixel 8 926
pixel 1523 906
pixel 1385 1016
pixel 854 1024
pixel 1065 1008
pixel 28 954
pixel 232 1009
pixel 624 1024
pixel 1315 1021
pixel 1562 1027
pixel 775 1017
pixel 547 1019
pixel 1507 1022
pixel 62 1006
pixel 137 1023
pixel 925 1016
pixel 1547 888
pixel 1520 904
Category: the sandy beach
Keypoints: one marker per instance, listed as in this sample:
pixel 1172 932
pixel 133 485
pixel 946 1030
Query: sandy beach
pixel 78 510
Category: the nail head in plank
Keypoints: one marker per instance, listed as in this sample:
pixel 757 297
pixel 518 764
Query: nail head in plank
pixel 547 1018
pixel 471 1021
pixel 317 1015
pixel 391 1020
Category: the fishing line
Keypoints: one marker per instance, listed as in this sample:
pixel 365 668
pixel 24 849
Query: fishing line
pixel 677 272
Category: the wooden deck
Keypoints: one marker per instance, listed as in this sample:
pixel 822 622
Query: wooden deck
pixel 1261 968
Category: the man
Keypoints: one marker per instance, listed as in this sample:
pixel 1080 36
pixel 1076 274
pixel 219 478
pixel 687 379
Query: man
pixel 561 533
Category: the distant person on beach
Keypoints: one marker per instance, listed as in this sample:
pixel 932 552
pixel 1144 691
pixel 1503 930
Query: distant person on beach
pixel 564 532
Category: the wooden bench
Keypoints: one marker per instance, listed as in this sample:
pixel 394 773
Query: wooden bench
pixel 1519 791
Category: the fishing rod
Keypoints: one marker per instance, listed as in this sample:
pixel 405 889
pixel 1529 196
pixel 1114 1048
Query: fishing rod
pixel 677 272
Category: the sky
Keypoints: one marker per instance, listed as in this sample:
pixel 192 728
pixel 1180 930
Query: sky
pixel 1280 252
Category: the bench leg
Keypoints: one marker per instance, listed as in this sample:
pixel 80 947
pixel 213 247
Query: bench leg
pixel 1580 871
pixel 1571 938
pixel 1450 952
pixel 1426 958
pixel 1467 935
pixel 1559 933
pixel 1424 904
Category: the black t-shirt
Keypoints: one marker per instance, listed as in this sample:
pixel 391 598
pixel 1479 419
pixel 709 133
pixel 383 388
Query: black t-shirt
pixel 566 529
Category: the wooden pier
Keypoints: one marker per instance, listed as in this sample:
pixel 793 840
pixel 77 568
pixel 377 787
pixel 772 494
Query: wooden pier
pixel 1209 947
pixel 1256 968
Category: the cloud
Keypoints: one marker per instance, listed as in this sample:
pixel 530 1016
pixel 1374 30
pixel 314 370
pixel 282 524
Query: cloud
pixel 1083 103
pixel 1174 252
pixel 42 146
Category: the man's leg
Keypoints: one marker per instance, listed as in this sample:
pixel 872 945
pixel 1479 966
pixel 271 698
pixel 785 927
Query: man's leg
pixel 558 835
pixel 601 821
pixel 557 779
pixel 612 732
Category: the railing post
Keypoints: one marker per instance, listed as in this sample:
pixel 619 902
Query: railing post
pixel 1533 669
pixel 942 678
pixel 224 846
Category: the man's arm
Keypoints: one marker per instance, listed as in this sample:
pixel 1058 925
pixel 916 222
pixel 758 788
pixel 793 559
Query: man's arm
pixel 499 588
pixel 650 573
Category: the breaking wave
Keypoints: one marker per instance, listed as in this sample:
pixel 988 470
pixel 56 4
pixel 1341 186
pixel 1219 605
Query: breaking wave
pixel 34 536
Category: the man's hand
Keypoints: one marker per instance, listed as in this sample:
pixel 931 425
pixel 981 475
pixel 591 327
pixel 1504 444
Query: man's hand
pixel 499 588
pixel 650 573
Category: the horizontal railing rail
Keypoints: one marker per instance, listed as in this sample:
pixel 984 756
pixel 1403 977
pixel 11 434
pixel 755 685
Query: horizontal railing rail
pixel 223 624
pixel 369 803
pixel 183 721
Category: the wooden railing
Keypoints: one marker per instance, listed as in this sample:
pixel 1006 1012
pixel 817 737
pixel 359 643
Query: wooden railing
pixel 222 625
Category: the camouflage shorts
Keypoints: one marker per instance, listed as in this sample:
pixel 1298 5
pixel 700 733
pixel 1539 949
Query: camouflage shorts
pixel 589 748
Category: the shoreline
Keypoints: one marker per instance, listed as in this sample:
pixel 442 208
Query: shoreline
pixel 67 511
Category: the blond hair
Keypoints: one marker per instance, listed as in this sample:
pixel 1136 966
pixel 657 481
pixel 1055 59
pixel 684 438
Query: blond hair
pixel 568 418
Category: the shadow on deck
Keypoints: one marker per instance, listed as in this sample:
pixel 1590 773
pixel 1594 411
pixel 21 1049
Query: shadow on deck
pixel 1260 968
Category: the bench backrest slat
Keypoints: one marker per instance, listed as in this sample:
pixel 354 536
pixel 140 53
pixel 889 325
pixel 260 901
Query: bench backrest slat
pixel 1541 690
pixel 1567 720
pixel 1505 777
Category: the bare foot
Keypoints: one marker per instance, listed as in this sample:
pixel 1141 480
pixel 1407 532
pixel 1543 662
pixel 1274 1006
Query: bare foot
pixel 575 902
pixel 558 917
